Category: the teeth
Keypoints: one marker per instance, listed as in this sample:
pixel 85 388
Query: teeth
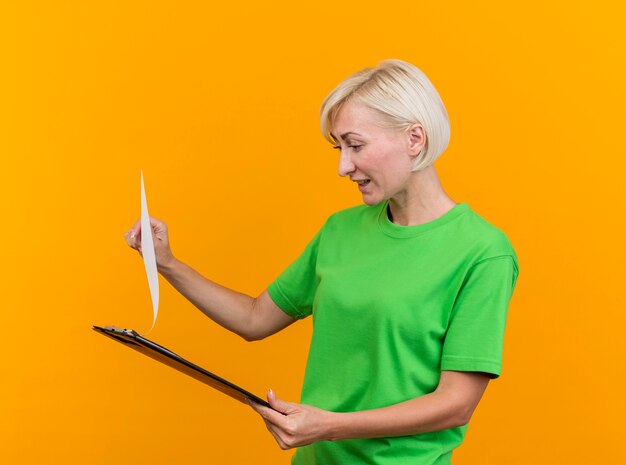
pixel 363 182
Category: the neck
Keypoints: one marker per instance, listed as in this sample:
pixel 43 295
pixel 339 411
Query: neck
pixel 424 200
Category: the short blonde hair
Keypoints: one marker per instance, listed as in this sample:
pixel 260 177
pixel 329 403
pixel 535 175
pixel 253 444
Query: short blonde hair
pixel 403 96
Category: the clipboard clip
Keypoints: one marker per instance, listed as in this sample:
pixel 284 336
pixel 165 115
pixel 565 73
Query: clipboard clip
pixel 122 331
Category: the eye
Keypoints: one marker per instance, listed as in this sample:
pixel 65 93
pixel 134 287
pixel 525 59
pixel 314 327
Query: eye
pixel 355 147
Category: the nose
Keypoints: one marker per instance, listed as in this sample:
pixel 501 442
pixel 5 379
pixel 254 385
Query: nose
pixel 346 166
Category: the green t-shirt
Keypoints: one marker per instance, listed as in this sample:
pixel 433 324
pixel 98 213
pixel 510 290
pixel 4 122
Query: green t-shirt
pixel 392 306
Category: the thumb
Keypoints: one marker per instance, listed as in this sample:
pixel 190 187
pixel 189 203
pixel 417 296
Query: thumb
pixel 277 404
pixel 136 229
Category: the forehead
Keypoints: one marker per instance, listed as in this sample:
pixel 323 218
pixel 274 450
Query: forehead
pixel 357 118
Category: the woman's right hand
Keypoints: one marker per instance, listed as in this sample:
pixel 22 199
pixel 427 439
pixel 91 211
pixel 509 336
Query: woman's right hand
pixel 248 317
pixel 162 251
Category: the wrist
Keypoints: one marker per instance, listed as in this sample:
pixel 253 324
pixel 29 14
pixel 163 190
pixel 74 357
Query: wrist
pixel 334 428
pixel 167 266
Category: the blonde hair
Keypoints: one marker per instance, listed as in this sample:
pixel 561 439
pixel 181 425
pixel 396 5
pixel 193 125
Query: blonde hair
pixel 402 95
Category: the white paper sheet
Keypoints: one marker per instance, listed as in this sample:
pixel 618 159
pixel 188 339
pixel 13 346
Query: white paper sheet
pixel 149 258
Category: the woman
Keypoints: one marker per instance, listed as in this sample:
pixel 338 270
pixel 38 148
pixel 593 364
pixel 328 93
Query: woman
pixel 409 291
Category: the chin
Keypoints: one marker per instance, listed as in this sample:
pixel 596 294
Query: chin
pixel 371 200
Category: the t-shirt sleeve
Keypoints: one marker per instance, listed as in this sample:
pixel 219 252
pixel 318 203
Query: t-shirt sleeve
pixel 294 290
pixel 475 334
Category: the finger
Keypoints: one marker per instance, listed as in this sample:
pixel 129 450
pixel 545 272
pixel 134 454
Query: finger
pixel 267 413
pixel 279 405
pixel 260 409
pixel 271 427
pixel 130 240
pixel 277 433
pixel 253 404
pixel 136 229
pixel 156 223
pixel 132 235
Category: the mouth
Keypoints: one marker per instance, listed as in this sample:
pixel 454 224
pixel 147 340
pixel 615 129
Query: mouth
pixel 362 182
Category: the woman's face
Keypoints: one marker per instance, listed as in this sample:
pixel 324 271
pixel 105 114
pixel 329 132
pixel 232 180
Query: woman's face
pixel 378 159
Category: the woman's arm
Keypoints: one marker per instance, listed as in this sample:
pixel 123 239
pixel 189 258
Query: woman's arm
pixel 449 406
pixel 251 318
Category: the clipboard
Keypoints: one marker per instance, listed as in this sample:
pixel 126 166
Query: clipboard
pixel 133 340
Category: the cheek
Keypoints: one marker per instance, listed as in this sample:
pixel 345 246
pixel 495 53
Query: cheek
pixel 399 167
pixel 387 163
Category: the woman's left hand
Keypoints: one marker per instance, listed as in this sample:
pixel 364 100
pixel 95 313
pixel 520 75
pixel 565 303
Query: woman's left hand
pixel 297 424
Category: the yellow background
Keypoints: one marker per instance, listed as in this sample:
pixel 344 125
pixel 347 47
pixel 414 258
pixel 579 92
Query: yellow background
pixel 219 105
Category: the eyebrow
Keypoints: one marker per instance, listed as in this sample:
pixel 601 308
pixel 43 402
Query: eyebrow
pixel 344 135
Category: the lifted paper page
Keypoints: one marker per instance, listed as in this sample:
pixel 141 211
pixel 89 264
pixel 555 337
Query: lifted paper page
pixel 149 258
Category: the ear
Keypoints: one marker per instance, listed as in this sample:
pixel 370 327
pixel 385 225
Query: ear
pixel 416 139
